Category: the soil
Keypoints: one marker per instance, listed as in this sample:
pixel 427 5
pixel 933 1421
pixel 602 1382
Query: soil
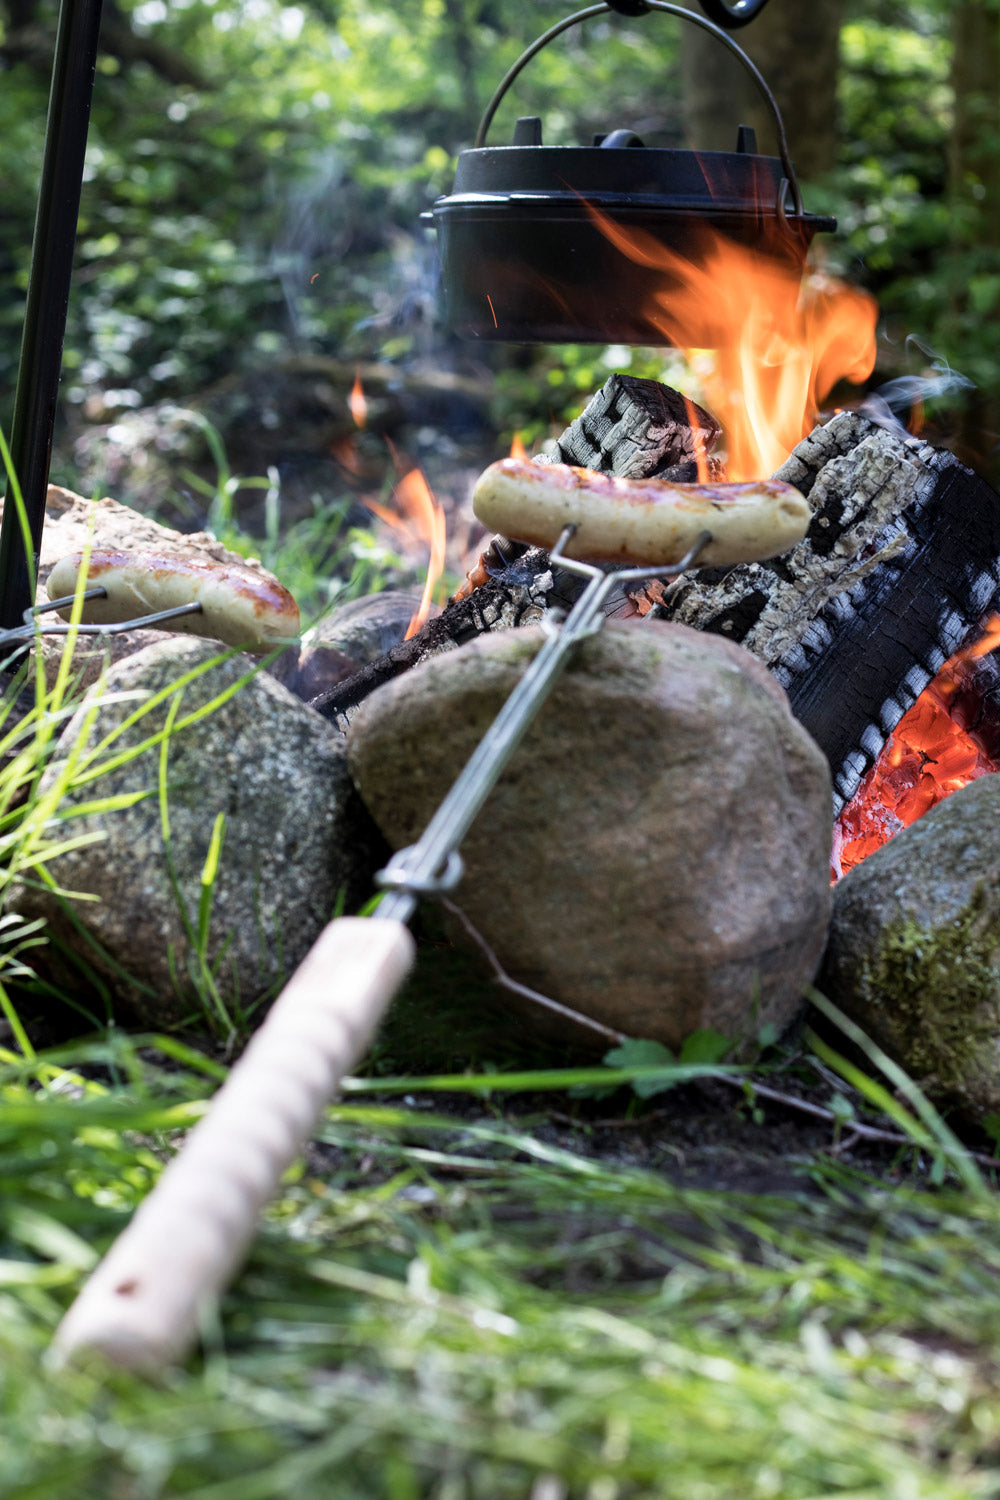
pixel 454 1016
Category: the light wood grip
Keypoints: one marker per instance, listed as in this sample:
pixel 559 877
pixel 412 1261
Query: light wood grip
pixel 144 1304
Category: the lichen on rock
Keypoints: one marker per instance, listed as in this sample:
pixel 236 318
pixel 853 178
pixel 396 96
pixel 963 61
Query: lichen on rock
pixel 296 840
pixel 655 855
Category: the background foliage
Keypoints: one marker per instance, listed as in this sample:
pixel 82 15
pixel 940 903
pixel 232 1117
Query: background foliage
pixel 256 174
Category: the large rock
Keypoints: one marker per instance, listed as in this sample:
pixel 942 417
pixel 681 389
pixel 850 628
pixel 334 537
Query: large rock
pixel 297 841
pixel 914 953
pixel 347 639
pixel 657 853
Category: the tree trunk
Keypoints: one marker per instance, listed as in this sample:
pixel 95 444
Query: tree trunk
pixel 796 47
pixel 974 188
pixel 975 141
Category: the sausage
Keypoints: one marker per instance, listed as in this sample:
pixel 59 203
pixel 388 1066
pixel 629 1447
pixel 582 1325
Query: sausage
pixel 239 606
pixel 639 521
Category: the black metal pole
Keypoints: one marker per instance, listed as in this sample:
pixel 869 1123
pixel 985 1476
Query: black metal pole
pixel 48 296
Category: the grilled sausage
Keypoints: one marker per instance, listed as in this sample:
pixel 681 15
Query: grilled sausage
pixel 239 607
pixel 639 521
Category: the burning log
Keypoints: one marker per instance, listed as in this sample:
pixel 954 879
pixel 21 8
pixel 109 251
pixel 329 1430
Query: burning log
pixel 949 738
pixel 639 429
pixel 516 596
pixel 974 703
pixel 901 561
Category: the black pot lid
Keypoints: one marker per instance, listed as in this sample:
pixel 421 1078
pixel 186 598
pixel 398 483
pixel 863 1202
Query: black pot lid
pixel 543 181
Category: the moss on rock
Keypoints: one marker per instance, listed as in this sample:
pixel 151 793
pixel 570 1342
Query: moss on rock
pixel 914 952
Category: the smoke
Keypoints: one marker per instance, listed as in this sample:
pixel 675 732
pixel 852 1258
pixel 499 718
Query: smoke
pixel 893 404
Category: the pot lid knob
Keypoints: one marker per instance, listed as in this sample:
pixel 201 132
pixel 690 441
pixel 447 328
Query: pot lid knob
pixel 528 131
pixel 617 139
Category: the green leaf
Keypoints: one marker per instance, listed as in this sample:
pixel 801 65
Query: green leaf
pixel 704 1047
pixel 767 1035
pixel 639 1053
pixel 842 1109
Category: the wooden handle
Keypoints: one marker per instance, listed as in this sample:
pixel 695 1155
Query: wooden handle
pixel 144 1304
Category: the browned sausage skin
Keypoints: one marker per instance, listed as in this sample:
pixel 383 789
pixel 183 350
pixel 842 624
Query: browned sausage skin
pixel 239 606
pixel 648 521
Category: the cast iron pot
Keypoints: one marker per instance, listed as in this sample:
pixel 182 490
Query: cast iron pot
pixel 532 237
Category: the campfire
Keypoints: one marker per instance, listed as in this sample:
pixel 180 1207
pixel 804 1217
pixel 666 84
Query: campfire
pixel 781 339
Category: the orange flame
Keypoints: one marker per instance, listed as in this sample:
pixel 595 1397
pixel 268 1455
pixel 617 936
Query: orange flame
pixel 701 451
pixel 917 419
pixel 356 401
pixel 928 757
pixel 421 522
pixel 781 337
pixel 517 448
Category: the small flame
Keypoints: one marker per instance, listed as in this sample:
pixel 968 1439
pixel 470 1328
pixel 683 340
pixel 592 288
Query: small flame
pixel 517 448
pixel 420 520
pixel 917 420
pixel 988 641
pixel 928 757
pixel 781 338
pixel 356 401
pixel 701 450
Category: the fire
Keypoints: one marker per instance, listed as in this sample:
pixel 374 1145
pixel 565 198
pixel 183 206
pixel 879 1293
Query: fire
pixel 781 338
pixel 700 452
pixel 357 402
pixel 420 521
pixel 517 448
pixel 345 451
pixel 928 757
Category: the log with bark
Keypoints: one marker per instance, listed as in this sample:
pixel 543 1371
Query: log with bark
pixel 901 562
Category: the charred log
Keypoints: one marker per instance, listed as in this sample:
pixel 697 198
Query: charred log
pixel 900 563
pixel 517 595
pixel 973 701
pixel 638 429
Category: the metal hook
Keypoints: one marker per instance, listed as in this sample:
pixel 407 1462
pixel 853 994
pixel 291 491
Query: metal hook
pixel 25 633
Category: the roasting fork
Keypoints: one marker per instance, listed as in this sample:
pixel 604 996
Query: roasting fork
pixel 21 636
pixel 144 1305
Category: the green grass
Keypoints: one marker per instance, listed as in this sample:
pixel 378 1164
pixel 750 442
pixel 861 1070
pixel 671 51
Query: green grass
pixel 439 1307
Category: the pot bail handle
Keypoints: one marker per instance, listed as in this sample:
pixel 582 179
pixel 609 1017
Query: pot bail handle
pixel 683 15
pixel 728 13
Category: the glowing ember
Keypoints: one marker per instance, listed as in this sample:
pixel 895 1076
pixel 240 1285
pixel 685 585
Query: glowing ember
pixel 356 401
pixel 781 339
pixel 928 757
pixel 420 522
